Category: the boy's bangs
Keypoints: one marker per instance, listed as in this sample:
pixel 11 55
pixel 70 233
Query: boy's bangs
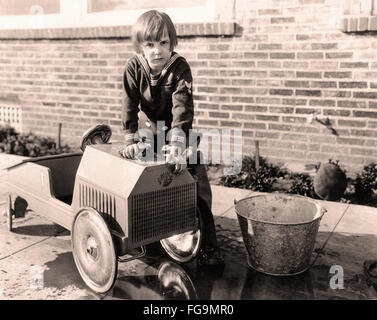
pixel 151 26
pixel 153 31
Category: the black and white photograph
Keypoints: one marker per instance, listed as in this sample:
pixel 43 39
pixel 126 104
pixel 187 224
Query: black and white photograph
pixel 194 155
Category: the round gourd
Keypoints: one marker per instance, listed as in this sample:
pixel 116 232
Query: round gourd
pixel 330 182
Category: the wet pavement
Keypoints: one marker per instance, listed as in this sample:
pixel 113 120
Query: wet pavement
pixel 154 277
pixel 36 242
pixel 36 262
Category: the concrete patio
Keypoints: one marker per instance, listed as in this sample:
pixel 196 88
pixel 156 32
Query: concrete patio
pixel 347 237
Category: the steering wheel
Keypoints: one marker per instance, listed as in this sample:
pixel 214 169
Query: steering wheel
pixel 99 134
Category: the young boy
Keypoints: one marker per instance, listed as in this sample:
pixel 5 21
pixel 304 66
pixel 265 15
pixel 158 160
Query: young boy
pixel 158 87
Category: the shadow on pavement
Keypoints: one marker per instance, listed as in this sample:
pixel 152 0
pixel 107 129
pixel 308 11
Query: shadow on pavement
pixel 40 230
pixel 258 286
pixel 62 272
pixel 62 275
pixel 20 207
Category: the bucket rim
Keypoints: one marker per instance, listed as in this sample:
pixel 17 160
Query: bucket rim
pixel 320 208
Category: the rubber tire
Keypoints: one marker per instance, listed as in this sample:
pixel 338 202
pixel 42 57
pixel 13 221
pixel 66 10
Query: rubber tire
pixel 98 274
pixel 184 259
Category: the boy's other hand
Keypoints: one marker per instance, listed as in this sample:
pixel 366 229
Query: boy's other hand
pixel 134 150
pixel 128 152
pixel 173 156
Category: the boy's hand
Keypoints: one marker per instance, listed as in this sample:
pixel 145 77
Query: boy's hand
pixel 129 151
pixel 173 156
pixel 134 150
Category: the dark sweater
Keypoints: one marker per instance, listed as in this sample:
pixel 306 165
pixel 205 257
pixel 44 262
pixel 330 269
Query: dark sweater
pixel 167 97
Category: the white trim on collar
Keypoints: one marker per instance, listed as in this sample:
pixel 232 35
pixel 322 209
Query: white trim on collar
pixel 148 70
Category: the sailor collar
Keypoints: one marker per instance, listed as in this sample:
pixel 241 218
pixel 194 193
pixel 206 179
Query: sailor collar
pixel 148 72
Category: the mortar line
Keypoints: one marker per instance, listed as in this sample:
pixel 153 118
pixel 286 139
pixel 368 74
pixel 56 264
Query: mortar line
pixel 331 233
pixel 22 249
pixel 30 245
pixel 224 212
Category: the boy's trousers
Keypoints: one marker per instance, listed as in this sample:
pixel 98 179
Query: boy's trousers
pixel 204 196
pixel 204 202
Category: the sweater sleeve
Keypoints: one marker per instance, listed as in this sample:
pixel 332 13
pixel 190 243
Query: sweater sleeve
pixel 130 103
pixel 182 109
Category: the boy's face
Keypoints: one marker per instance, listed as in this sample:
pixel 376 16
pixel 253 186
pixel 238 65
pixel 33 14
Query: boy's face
pixel 157 53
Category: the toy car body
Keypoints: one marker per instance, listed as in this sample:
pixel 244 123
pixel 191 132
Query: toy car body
pixel 110 204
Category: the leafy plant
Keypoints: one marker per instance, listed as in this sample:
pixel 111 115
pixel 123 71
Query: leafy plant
pixel 366 181
pixel 250 178
pixel 330 178
pixel 302 184
pixel 6 132
pixel 28 145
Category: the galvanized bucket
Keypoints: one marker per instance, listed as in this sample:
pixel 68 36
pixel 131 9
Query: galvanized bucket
pixel 279 231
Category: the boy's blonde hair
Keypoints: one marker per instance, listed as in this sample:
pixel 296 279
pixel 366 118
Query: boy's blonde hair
pixel 150 27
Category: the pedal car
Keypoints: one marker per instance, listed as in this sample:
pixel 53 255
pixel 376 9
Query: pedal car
pixel 111 205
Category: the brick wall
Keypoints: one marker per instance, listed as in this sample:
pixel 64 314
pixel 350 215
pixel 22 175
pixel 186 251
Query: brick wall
pixel 288 78
pixel 77 83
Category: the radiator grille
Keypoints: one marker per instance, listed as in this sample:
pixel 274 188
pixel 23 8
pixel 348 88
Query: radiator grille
pixel 157 213
pixel 99 200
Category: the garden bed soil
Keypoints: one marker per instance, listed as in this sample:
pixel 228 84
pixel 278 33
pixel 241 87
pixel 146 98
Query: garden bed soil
pixel 215 172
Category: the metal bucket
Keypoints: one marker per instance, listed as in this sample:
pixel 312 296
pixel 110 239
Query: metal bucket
pixel 279 231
